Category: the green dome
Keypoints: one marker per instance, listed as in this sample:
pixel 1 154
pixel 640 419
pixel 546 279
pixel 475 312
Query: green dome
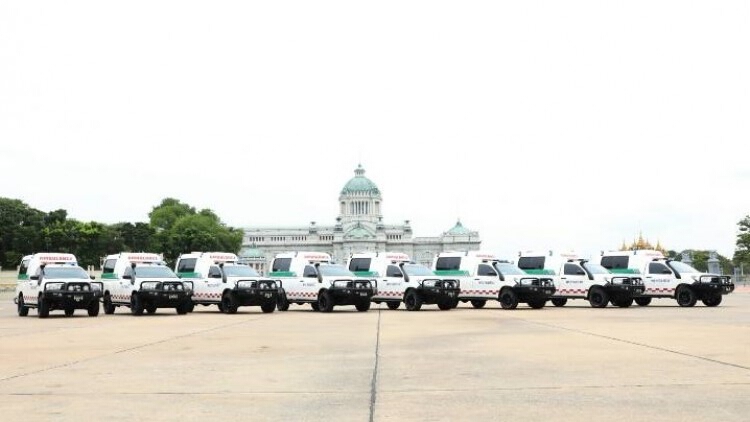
pixel 359 183
pixel 251 253
pixel 458 230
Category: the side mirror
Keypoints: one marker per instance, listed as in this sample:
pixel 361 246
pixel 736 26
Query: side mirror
pixel 92 277
pixel 128 277
pixel 34 277
pixel 502 277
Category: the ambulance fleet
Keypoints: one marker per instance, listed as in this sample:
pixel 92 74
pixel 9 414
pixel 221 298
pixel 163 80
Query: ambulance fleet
pixel 143 283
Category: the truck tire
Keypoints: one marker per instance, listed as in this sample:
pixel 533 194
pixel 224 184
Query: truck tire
pixel 412 300
pixel 363 306
pixel 69 312
pixel 623 303
pixel 220 306
pixel 42 308
pixel 643 301
pixel 454 303
pixel 109 308
pixel 229 302
pixel 478 304
pixel 685 296
pixel 713 300
pixel 268 307
pixel 191 306
pixel 559 301
pixel 393 305
pixel 182 308
pixel 598 298
pixel 151 309
pixel 136 304
pixel 325 301
pixel 445 305
pixel 22 309
pixel 93 308
pixel 315 306
pixel 282 303
pixel 508 299
pixel 537 303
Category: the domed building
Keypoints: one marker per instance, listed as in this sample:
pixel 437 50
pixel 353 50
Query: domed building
pixel 359 227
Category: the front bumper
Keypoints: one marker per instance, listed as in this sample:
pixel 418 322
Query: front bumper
pixel 526 293
pixel 255 296
pixel 722 286
pixel 60 299
pixel 164 299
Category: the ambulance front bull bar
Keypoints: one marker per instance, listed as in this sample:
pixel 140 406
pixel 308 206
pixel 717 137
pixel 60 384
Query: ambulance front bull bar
pixel 724 281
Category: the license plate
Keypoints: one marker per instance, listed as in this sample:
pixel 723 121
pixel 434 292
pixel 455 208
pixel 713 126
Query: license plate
pixel 549 292
pixel 363 293
pixel 451 294
pixel 173 296
pixel 267 294
pixel 78 298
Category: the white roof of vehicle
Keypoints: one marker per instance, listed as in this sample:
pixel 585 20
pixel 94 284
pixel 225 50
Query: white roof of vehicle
pixel 309 256
pixel 388 256
pixel 648 253
pixel 52 257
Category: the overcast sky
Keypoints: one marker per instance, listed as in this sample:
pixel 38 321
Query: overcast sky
pixel 541 124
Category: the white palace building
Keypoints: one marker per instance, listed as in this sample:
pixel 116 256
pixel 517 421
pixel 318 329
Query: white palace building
pixel 359 228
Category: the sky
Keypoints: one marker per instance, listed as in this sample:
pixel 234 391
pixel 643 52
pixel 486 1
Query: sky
pixel 541 124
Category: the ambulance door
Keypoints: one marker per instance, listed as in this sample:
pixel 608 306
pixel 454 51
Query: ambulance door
pixel 573 280
pixel 308 285
pixel 212 286
pixel 24 282
pixel 126 285
pixel 659 280
pixel 486 282
pixel 392 287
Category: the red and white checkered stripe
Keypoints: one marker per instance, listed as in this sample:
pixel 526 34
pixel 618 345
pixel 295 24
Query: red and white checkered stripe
pixel 389 294
pixel 302 295
pixel 659 290
pixel 29 299
pixel 121 298
pixel 571 292
pixel 479 292
pixel 207 296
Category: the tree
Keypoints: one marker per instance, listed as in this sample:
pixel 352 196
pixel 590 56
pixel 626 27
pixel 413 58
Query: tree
pixel 742 253
pixel 166 214
pixel 198 232
pixel 700 260
pixel 20 227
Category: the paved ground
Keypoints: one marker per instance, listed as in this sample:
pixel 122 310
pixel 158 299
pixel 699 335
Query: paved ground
pixel 660 363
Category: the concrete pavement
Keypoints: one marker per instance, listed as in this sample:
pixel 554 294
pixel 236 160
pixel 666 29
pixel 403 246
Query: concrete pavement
pixel 660 363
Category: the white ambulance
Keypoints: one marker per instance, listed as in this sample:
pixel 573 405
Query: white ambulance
pixel 143 282
pixel 310 277
pixel 219 280
pixel 666 278
pixel 577 278
pixel 485 277
pixel 52 281
pixel 398 280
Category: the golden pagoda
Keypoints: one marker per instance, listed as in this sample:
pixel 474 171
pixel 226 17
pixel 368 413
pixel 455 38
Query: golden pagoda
pixel 640 243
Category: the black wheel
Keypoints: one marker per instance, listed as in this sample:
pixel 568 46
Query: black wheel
pixel 685 296
pixel 182 308
pixel 598 298
pixel 713 300
pixel 69 312
pixel 445 305
pixel 283 303
pixel 191 306
pixel 109 308
pixel 229 303
pixel 42 308
pixel 220 306
pixel 136 304
pixel 315 306
pixel 412 301
pixel 559 301
pixel 268 307
pixel 325 301
pixel 393 305
pixel 363 306
pixel 479 304
pixel 454 303
pixel 508 299
pixel 22 309
pixel 643 301
pixel 537 303
pixel 151 309
pixel 93 308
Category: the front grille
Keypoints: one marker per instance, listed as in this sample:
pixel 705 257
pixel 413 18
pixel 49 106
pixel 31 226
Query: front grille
pixel 78 287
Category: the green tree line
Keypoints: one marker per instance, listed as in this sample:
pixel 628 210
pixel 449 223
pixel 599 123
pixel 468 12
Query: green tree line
pixel 173 228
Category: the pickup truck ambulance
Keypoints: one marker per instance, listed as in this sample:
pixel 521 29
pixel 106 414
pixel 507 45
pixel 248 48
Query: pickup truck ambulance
pixel 399 280
pixel 52 281
pixel 577 278
pixel 142 282
pixel 310 277
pixel 667 278
pixel 485 277
pixel 219 280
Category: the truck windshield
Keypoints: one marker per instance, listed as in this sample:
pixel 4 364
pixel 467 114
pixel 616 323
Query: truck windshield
pixel 506 268
pixel 157 271
pixel 681 267
pixel 240 271
pixel 334 270
pixel 65 272
pixel 595 268
pixel 417 270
